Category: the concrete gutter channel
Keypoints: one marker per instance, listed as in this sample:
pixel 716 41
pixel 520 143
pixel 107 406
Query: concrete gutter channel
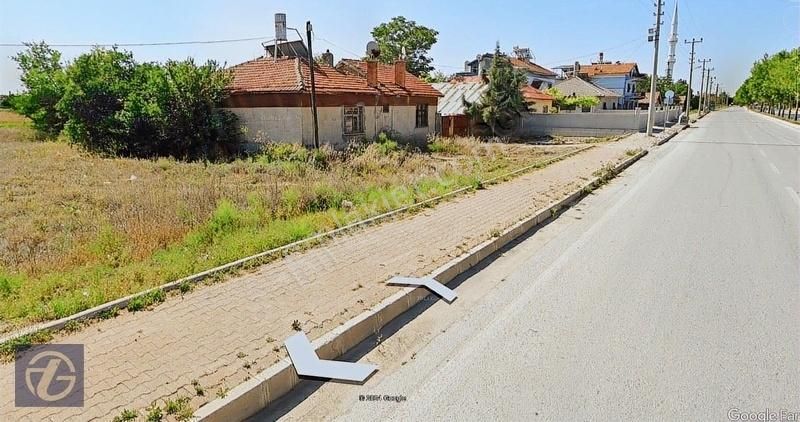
pixel 265 388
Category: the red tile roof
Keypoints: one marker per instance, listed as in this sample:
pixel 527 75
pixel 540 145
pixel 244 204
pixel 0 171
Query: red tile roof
pixel 608 69
pixel 531 93
pixel 288 75
pixel 531 67
pixel 413 85
pixel 292 75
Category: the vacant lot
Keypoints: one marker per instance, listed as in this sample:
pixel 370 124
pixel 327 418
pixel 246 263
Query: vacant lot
pixel 78 230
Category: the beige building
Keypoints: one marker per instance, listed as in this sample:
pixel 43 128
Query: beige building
pixel 578 87
pixel 355 99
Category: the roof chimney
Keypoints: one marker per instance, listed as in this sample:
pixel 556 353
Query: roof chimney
pixel 601 57
pixel 400 73
pixel 372 73
pixel 327 58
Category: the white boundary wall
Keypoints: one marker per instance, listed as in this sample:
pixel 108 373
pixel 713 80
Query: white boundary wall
pixel 595 123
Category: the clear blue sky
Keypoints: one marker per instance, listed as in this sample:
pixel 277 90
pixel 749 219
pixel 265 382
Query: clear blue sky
pixel 736 32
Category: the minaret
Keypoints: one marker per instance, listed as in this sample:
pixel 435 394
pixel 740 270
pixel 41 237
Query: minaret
pixel 673 41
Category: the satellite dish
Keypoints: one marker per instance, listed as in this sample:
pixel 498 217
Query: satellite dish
pixel 373 50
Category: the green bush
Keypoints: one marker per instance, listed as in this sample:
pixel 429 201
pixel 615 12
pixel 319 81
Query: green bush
pixel 274 152
pixel 44 80
pixel 108 103
pixel 9 284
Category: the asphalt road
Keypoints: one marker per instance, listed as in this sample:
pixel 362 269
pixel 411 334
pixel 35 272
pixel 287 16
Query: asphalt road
pixel 670 294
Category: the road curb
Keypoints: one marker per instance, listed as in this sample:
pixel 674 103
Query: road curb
pixel 263 389
pixel 671 135
pixel 122 303
pixel 795 123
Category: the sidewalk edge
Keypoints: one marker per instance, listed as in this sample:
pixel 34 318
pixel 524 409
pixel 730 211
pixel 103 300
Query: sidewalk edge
pixel 263 389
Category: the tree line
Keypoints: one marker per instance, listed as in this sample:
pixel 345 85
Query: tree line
pixel 773 85
pixel 111 104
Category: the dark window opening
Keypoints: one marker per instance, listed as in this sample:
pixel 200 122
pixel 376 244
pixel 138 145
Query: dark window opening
pixel 386 109
pixel 422 115
pixel 353 120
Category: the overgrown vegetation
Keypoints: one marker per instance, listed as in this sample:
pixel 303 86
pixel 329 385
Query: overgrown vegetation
pixel 501 103
pixel 79 230
pixel 108 103
pixel 774 84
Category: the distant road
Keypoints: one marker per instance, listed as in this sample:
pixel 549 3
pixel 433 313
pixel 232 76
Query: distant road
pixel 672 294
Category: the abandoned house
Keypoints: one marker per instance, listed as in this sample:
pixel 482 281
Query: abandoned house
pixel 355 99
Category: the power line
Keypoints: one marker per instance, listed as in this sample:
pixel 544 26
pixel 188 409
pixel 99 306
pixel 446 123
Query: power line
pixel 593 53
pixel 332 44
pixel 144 44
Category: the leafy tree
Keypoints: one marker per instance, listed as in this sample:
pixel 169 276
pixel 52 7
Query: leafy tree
pixel 184 99
pixel 399 33
pixel 435 77
pixel 773 84
pixel 97 85
pixel 44 79
pixel 663 84
pixel 571 102
pixel 110 104
pixel 502 102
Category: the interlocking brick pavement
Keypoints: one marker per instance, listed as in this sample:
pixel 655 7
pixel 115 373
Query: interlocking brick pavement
pixel 222 334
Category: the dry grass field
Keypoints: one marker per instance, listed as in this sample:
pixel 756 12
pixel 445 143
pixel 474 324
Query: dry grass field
pixel 77 230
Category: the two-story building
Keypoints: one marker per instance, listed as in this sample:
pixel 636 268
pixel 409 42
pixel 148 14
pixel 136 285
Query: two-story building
pixel 617 76
pixel 538 76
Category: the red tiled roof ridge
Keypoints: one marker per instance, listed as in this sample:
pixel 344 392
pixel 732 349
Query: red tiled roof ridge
pixel 293 75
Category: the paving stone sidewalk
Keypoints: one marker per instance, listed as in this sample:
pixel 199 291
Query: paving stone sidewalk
pixel 219 335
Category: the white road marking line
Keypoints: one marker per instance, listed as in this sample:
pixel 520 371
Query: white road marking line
pixel 794 195
pixel 763 154
pixel 775 169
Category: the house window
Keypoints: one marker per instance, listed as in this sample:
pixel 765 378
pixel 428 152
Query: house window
pixel 353 120
pixel 422 115
pixel 386 108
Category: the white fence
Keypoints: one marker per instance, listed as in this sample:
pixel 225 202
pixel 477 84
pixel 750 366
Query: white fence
pixel 595 123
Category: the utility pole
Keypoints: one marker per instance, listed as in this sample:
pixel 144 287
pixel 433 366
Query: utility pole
pixel 651 109
pixel 313 88
pixel 708 89
pixel 691 71
pixel 702 79
pixel 716 97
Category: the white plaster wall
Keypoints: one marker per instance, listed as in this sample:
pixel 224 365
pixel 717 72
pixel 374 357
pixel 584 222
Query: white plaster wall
pixel 404 120
pixel 295 124
pixel 276 124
